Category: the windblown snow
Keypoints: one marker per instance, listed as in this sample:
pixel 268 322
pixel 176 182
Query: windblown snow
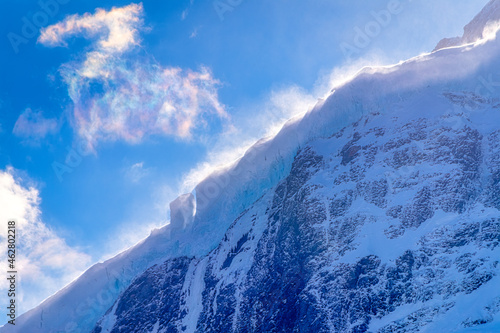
pixel 478 28
pixel 376 211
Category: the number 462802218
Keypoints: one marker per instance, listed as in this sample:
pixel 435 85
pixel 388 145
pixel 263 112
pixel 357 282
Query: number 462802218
pixel 11 239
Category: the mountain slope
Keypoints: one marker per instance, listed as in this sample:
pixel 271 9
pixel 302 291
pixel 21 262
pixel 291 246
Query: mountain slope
pixel 477 28
pixel 377 227
pixel 377 210
pixel 374 229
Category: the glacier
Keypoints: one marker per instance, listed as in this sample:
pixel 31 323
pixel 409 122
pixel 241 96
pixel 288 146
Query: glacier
pixel 375 211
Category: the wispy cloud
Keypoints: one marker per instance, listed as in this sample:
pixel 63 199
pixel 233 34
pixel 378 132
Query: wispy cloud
pixel 265 118
pixel 45 262
pixel 34 126
pixel 119 94
pixel 152 214
pixel 259 120
pixel 194 33
pixel 136 172
pixel 185 12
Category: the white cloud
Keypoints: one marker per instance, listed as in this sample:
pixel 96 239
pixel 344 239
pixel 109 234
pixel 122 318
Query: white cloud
pixel 33 125
pixel 119 94
pixel 45 263
pixel 117 28
pixel 136 172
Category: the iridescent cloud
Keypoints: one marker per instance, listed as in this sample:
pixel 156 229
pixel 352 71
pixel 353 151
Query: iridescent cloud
pixel 119 94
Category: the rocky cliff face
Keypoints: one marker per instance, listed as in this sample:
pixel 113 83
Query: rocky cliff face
pixel 390 225
pixel 377 211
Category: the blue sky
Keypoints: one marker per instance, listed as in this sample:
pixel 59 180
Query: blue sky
pixel 133 105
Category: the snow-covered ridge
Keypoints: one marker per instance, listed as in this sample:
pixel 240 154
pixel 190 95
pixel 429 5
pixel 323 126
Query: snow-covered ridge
pixel 219 199
pixel 477 29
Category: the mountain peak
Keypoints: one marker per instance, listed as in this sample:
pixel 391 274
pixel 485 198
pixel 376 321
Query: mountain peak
pixel 475 29
pixel 381 199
